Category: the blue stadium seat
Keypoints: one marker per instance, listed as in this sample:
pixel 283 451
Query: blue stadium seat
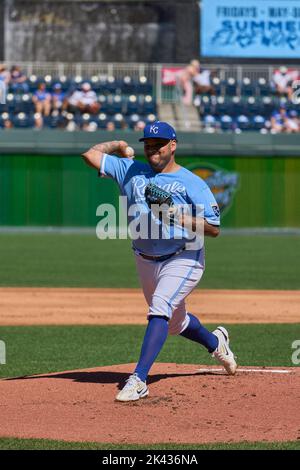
pixel 226 122
pixel 132 105
pixel 243 123
pixel 49 80
pixel 128 86
pixel 118 119
pixel 263 88
pixel 150 118
pixel 144 87
pixel 231 88
pixel 133 119
pixel 102 120
pixel 4 116
pixel 236 106
pixel 217 84
pixel 117 104
pixel 148 105
pixel 22 120
pixel 104 103
pixel 253 106
pixel 54 120
pixel 112 85
pixel 222 105
pixel 258 123
pixel 247 88
pixel 65 83
pixel 33 81
pixel 209 121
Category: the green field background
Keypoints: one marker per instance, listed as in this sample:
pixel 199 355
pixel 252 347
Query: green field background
pixel 41 190
pixel 82 260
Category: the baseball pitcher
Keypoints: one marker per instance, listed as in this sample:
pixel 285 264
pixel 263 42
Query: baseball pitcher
pixel 177 208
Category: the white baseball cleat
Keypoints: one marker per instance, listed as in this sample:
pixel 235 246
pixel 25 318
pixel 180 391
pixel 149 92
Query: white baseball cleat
pixel 223 354
pixel 133 390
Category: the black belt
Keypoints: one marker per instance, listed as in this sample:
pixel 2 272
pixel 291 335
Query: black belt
pixel 160 258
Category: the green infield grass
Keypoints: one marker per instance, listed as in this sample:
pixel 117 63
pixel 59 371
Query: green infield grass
pixel 43 349
pixel 76 260
pixel 45 444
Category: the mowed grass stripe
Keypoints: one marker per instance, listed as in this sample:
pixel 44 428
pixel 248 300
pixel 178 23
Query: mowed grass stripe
pixel 43 349
pixel 45 444
pixel 77 260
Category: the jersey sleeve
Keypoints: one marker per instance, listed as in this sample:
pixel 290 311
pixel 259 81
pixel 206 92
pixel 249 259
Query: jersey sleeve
pixel 201 195
pixel 115 167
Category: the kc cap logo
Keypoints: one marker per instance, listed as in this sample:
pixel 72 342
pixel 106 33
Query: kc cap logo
pixel 159 130
pixel 154 129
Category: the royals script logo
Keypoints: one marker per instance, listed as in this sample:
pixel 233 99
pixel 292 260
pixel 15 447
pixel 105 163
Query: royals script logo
pixel 140 183
pixel 222 183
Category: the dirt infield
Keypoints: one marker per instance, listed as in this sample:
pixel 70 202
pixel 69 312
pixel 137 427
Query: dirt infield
pixel 59 306
pixel 185 405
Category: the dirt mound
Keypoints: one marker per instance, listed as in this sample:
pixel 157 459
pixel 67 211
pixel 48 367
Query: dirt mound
pixel 187 404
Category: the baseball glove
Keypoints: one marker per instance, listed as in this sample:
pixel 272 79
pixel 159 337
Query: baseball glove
pixel 162 201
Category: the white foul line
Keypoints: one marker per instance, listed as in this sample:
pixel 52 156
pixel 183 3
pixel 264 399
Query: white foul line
pixel 270 371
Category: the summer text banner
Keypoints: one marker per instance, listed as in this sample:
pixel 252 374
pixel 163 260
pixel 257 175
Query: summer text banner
pixel 250 28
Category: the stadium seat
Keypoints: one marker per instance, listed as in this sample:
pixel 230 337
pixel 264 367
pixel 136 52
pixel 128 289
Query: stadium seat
pixel 54 120
pixel 33 83
pixel 258 123
pixel 102 120
pixel 231 88
pixel 263 87
pixel 253 106
pixel 236 106
pixel 148 105
pixel 243 123
pixel 104 103
pixel 4 117
pixel 22 120
pixel 247 88
pixel 226 122
pixel 132 105
pixel 144 87
pixel 216 82
pixel 150 118
pixel 209 122
pixel 118 119
pixel 222 104
pixel 132 120
pixel 128 86
pixel 116 105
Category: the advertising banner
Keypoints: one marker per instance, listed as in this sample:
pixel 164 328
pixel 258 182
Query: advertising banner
pixel 250 28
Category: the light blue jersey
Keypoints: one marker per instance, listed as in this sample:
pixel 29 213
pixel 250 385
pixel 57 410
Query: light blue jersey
pixel 185 187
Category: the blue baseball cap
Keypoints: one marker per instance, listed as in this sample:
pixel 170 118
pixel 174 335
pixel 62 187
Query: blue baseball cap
pixel 159 130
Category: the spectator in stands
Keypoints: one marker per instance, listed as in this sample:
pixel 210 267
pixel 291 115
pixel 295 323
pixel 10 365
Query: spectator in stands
pixel 89 126
pixel 283 79
pixel 185 81
pixel 202 82
pixel 292 122
pixel 139 126
pixel 279 120
pixel 38 121
pixel 42 100
pixel 7 124
pixel 18 80
pixel 4 74
pixel 58 100
pixel 110 126
pixel 84 100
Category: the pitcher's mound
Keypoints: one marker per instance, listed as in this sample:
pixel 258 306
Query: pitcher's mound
pixel 187 404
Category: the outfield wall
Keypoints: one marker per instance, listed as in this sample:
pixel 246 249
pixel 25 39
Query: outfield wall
pixel 57 190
